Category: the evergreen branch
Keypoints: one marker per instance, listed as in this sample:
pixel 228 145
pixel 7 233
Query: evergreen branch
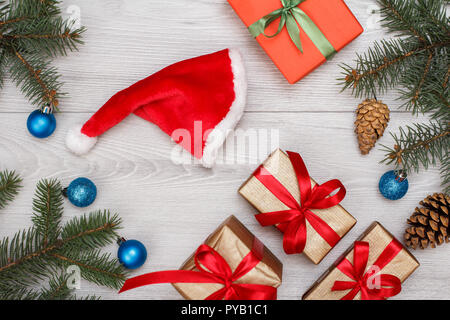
pixel 51 35
pixel 382 66
pixel 420 85
pixel 401 16
pixel 45 250
pixel 18 293
pixel 19 11
pixel 3 23
pixel 98 229
pixel 10 183
pixel 422 80
pixel 96 267
pixel 57 290
pixel 65 35
pixel 32 32
pixel 48 210
pixel 31 9
pixel 37 86
pixel 23 260
pixel 91 231
pixel 420 145
pixel 435 15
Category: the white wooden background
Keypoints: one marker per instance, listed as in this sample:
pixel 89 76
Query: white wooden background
pixel 170 208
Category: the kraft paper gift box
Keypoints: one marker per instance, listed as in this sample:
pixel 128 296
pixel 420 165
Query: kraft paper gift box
pixel 332 17
pixel 280 167
pixel 233 241
pixel 399 263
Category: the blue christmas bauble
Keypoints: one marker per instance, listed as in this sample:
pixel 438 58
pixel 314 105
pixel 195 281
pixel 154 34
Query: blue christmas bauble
pixel 81 192
pixel 392 186
pixel 132 254
pixel 41 125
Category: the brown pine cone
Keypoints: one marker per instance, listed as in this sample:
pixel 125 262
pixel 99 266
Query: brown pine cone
pixel 372 118
pixel 430 223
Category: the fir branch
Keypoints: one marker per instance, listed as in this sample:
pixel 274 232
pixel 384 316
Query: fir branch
pixel 41 84
pixel 424 75
pixel 95 267
pixel 91 231
pixel 57 289
pixel 10 183
pixel 18 293
pixel 48 210
pixel 382 66
pixel 31 33
pixel 23 259
pixel 19 19
pixel 20 10
pixel 421 86
pixel 401 16
pixel 435 16
pixel 37 254
pixel 420 146
pixel 49 35
pixel 89 234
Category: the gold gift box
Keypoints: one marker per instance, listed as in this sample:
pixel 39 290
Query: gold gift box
pixel 279 165
pixel 233 241
pixel 402 266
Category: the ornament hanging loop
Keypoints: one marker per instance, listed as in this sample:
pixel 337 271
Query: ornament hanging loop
pixel 121 240
pixel 47 109
pixel 401 175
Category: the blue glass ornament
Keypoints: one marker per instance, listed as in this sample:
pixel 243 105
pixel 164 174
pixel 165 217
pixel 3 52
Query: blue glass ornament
pixel 393 185
pixel 41 124
pixel 132 253
pixel 81 192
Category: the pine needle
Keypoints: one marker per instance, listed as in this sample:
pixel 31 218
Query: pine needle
pixel 32 258
pixel 10 184
pixel 31 34
pixel 48 210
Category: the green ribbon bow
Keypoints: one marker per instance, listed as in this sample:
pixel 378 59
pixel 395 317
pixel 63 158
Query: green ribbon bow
pixel 290 15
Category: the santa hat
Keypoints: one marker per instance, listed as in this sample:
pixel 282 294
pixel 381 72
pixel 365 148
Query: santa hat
pixel 197 102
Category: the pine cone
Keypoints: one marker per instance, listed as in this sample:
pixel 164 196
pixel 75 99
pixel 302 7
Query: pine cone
pixel 430 223
pixel 372 118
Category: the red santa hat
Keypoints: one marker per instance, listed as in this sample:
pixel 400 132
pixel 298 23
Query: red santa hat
pixel 197 102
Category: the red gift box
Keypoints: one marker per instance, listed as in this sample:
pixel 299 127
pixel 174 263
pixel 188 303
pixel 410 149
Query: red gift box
pixel 332 17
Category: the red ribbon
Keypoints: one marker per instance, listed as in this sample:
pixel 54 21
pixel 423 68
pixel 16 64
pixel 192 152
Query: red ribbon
pixel 213 269
pixel 385 286
pixel 292 222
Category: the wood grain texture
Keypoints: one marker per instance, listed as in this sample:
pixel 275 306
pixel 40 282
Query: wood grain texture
pixel 173 208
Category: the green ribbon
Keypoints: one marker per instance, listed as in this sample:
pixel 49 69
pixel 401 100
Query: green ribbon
pixel 290 15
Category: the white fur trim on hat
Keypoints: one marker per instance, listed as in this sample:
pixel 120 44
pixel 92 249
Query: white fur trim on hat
pixel 78 142
pixel 218 135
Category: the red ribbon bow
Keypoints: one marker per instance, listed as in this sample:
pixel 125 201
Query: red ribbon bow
pixel 373 286
pixel 213 269
pixel 292 222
